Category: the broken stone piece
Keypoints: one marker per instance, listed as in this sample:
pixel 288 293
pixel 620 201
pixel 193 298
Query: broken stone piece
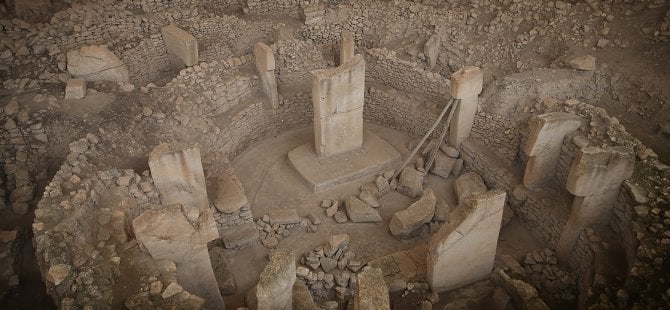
pixel 75 89
pixel 410 182
pixel 359 212
pixel 418 213
pixel 467 185
pixel 283 217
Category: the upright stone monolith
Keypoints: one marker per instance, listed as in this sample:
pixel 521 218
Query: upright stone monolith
pixel 178 175
pixel 372 292
pixel 275 287
pixel 543 146
pixel 595 177
pixel 265 64
pixel 347 45
pixel 466 84
pixel 463 250
pixel 337 95
pixel 181 46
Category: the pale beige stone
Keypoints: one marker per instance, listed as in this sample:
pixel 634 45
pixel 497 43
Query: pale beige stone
pixel 180 44
pixel 96 63
pixel 372 292
pixel 75 89
pixel 347 45
pixel 275 287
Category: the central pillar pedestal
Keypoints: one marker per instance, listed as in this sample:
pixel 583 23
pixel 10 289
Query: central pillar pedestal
pixel 319 174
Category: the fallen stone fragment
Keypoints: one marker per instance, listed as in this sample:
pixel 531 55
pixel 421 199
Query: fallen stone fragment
pixel 420 212
pixel 360 212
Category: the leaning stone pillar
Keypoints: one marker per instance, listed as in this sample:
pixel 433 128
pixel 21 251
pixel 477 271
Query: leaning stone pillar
pixel 463 250
pixel 178 175
pixel 265 64
pixel 596 175
pixel 182 47
pixel 466 84
pixel 372 292
pixel 337 96
pixel 544 145
pixel 347 45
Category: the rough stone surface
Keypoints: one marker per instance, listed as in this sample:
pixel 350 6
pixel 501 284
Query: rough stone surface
pixel 96 63
pixel 463 250
pixel 467 185
pixel 275 287
pixel 75 89
pixel 372 292
pixel 287 216
pixel 180 44
pixel 359 212
pixel 418 213
pixel 410 182
pixel 238 236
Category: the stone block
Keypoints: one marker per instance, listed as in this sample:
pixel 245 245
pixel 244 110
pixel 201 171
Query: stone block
pixel 239 236
pixel 289 216
pixel 347 45
pixel 160 230
pixel 463 250
pixel 265 59
pixel 178 176
pixel 75 89
pixel 180 44
pixel 432 49
pixel 418 213
pixel 339 133
pixel 275 287
pixel 230 195
pixel 372 292
pixel 443 165
pixel 223 271
pixel 467 82
pixel 467 185
pixel 359 212
pixel 410 182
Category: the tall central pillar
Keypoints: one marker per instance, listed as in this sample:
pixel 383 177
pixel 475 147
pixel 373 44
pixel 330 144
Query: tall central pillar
pixel 337 96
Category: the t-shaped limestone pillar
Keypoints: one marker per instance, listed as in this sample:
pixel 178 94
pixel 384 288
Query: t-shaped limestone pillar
pixel 265 64
pixel 466 84
pixel 347 45
pixel 544 145
pixel 337 95
pixel 595 178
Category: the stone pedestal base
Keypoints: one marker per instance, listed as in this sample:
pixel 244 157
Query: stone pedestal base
pixel 375 156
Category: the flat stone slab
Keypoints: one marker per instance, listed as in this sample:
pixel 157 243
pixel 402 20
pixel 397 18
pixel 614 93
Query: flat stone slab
pixel 239 235
pixel 359 212
pixel 375 156
pixel 289 216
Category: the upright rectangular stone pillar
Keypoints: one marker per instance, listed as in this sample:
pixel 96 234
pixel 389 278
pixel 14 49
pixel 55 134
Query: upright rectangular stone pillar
pixel 337 96
pixel 181 45
pixel 347 45
pixel 466 84
pixel 463 250
pixel 432 49
pixel 372 292
pixel 265 64
pixel 596 175
pixel 178 175
pixel 544 145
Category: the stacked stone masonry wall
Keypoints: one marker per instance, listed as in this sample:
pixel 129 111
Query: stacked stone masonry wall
pixel 275 7
pixel 498 135
pixel 146 60
pixel 383 66
pixel 295 60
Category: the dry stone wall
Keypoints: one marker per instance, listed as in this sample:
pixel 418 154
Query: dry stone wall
pixel 275 7
pixel 295 60
pixel 383 66
pixel 146 60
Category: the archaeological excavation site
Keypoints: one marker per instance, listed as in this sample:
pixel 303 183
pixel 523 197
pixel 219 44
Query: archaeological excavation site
pixel 334 154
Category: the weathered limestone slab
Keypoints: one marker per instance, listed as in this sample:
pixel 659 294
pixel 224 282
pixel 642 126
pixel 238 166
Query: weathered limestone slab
pixel 230 195
pixel 288 216
pixel 181 45
pixel 96 63
pixel 466 84
pixel 319 174
pixel 544 145
pixel 418 213
pixel 275 287
pixel 463 250
pixel 467 185
pixel 595 177
pixel 432 49
pixel 372 292
pixel 337 96
pixel 347 45
pixel 596 171
pixel 75 89
pixel 359 212
pixel 238 236
pixel 265 64
pixel 178 175
pixel 443 165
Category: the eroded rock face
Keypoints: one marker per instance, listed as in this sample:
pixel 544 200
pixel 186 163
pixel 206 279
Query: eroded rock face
pixel 410 182
pixel 96 63
pixel 274 289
